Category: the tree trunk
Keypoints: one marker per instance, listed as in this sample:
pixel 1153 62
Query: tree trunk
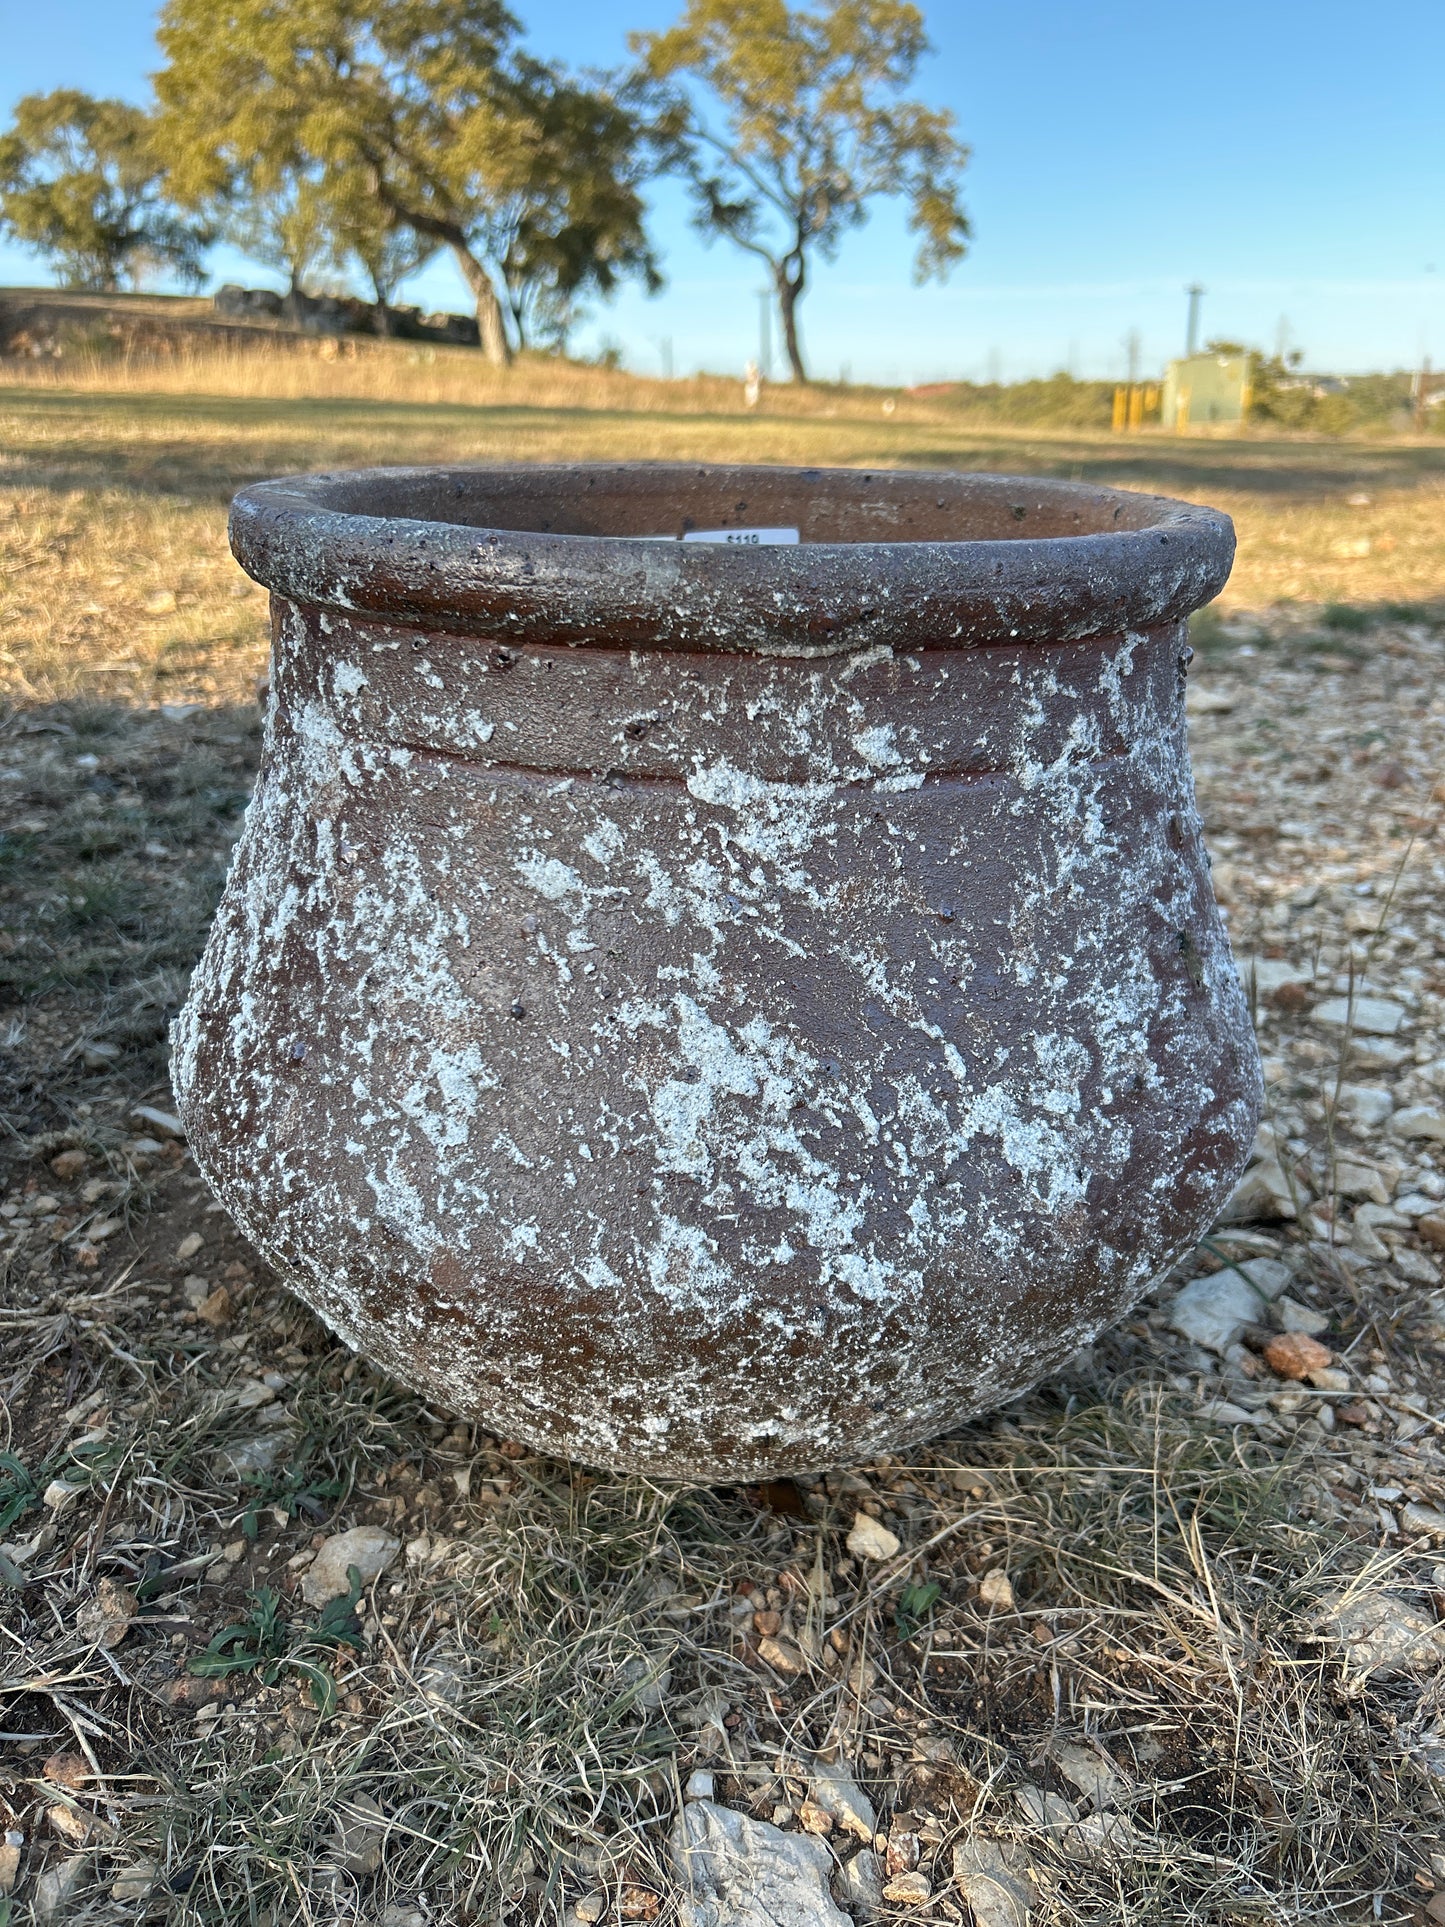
pixel 789 288
pixel 491 325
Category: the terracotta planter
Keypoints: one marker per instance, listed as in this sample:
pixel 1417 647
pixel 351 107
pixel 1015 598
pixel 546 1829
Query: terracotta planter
pixel 718 1010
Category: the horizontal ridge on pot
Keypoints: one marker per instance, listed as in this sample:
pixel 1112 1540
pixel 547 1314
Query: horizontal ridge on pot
pixel 691 1037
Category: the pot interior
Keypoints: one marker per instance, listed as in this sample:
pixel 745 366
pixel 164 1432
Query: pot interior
pixel 824 506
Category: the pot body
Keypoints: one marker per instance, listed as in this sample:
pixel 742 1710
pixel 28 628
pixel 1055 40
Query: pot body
pixel 718 1063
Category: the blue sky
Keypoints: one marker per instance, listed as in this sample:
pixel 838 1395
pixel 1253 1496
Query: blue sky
pixel 1289 156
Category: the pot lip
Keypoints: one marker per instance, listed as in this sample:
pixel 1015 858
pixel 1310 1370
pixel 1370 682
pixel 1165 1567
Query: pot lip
pixel 304 538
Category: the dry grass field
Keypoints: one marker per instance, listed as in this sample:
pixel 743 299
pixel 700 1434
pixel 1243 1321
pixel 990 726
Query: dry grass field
pixel 1161 1643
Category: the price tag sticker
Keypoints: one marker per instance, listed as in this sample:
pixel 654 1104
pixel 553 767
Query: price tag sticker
pixel 745 538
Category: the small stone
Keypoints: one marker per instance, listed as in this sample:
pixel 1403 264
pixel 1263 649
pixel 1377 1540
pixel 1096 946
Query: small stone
pixel 836 1791
pixel 861 1881
pixel 1360 1181
pixel 1431 1227
pixel 908 1889
pixel 58 1494
pixel 188 1247
pixel 67 1769
pixel 1420 1120
pixel 1295 1317
pixel 1329 1378
pixel 59 1889
pixel 1416 1518
pixel 996 1590
pixel 1384 1635
pixel 870 1540
pixel 134 1882
pixel 1263 1194
pixel 734 1871
pixel 1049 1811
pixel 215 1308
pixel 994 1880
pixel 1211 1311
pixel 160 602
pixel 1366 1105
pixel 902 1848
pixel 166 1122
pixel 360 1834
pixel 814 1819
pixel 783 1656
pixel 1374 1016
pixel 107 1618
pixel 1296 1355
pixel 367 1548
pixel 69 1165
pixel 700 1785
pixel 10 1861
pixel 1222 1411
pixel 591 1907
pixel 1415 1266
pixel 1100 1781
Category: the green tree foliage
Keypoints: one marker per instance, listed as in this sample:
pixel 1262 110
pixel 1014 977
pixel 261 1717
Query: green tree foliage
pixel 80 182
pixel 284 223
pixel 789 122
pixel 420 116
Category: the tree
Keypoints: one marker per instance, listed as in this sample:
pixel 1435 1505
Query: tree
pixel 807 128
pixel 283 223
pixel 419 108
pixel 566 214
pixel 388 255
pixel 81 183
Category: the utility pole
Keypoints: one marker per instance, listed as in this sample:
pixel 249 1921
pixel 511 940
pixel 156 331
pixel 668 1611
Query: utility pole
pixel 1191 336
pixel 765 333
pixel 1131 349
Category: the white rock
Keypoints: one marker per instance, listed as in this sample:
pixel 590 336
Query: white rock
pixel 1415 1266
pixel 836 1791
pixel 360 1835
pixel 1366 1105
pixel 1099 1780
pixel 1360 1181
pixel 134 1882
pixel 367 1548
pixel 1104 1833
pixel 735 1871
pixel 1221 1412
pixel 1262 1194
pixel 861 1882
pixel 1416 1518
pixel 994 1880
pixel 700 1785
pixel 1272 973
pixel 1375 1016
pixel 996 1591
pixel 58 1889
pixel 1294 1317
pixel 1420 1120
pixel 1384 1634
pixel 870 1540
pixel 1210 1311
pixel 166 1122
pixel 1049 1811
pixel 1415 1204
pixel 1269 1276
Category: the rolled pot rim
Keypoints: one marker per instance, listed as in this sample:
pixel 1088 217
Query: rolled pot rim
pixel 331 540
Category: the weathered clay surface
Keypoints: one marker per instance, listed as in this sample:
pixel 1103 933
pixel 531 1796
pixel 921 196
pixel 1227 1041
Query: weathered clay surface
pixel 692 1037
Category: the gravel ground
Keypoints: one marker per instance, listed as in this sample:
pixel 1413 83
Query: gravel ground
pixel 1162 1642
